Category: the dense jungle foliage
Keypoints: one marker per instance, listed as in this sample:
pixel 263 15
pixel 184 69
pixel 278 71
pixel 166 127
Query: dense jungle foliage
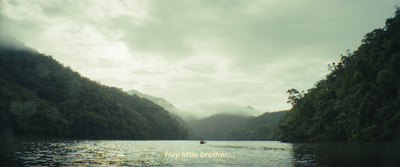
pixel 41 97
pixel 358 101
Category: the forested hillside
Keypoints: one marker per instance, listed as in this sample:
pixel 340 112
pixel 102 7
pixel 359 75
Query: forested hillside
pixel 174 112
pixel 41 97
pixel 160 101
pixel 215 127
pixel 358 101
pixel 262 127
pixel 224 126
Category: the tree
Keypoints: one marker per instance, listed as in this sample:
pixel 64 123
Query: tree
pixel 294 96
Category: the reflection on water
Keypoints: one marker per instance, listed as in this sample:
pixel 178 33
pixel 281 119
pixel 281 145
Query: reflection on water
pixel 346 154
pixel 37 152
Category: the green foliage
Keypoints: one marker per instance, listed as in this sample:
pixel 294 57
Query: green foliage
pixel 215 127
pixel 358 101
pixel 236 127
pixel 294 96
pixel 39 96
pixel 262 127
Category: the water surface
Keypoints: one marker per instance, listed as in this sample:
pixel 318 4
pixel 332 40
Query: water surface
pixel 52 152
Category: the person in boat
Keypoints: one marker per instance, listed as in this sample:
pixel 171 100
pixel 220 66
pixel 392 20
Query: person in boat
pixel 202 141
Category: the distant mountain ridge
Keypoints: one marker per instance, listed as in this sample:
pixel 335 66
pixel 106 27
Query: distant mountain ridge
pixel 224 126
pixel 216 126
pixel 174 112
pixel 163 103
pixel 158 100
pixel 262 127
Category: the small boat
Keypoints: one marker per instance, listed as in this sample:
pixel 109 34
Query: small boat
pixel 202 141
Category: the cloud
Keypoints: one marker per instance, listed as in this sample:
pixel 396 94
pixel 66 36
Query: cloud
pixel 204 109
pixel 194 53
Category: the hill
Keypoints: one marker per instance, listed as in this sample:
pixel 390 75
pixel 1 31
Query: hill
pixel 262 127
pixel 174 112
pixel 358 101
pixel 163 103
pixel 160 101
pixel 41 97
pixel 215 127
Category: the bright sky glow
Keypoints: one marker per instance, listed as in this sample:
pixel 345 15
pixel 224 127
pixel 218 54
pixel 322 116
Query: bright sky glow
pixel 202 56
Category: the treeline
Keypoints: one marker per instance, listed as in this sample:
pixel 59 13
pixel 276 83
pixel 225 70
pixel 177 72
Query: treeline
pixel 39 96
pixel 215 127
pixel 358 101
pixel 224 126
pixel 262 127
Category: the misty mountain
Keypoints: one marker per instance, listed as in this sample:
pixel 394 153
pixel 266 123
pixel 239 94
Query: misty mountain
pixel 41 97
pixel 262 127
pixel 358 101
pixel 209 108
pixel 174 112
pixel 228 117
pixel 215 127
pixel 160 101
pixel 206 109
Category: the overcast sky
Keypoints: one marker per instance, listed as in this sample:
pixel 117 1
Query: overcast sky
pixel 202 56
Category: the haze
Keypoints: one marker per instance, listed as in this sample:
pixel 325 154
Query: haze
pixel 202 56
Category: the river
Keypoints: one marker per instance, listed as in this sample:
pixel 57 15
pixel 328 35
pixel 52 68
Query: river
pixel 56 152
